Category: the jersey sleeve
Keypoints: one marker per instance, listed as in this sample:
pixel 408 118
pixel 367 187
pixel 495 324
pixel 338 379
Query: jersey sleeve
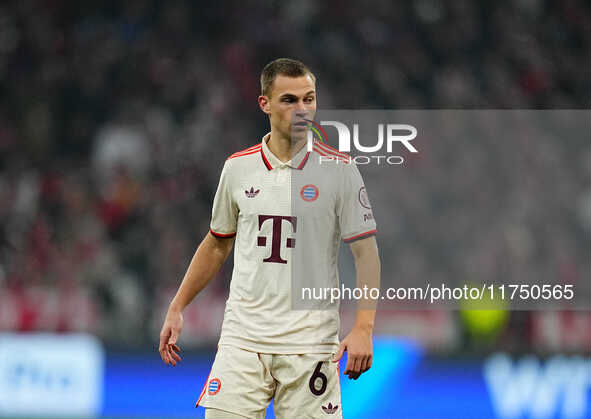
pixel 356 219
pixel 224 213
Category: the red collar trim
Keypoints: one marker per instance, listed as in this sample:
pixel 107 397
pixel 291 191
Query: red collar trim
pixel 270 167
pixel 267 164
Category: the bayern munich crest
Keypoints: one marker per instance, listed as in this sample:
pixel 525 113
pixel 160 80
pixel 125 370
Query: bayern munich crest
pixel 309 193
pixel 214 386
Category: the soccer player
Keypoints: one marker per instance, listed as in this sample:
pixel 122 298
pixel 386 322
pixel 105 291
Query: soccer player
pixel 269 350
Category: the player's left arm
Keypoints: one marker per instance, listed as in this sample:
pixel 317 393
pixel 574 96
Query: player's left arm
pixel 358 343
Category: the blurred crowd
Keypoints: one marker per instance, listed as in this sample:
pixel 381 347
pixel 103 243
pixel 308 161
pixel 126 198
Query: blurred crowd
pixel 116 118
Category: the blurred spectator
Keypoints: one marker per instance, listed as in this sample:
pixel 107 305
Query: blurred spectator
pixel 116 118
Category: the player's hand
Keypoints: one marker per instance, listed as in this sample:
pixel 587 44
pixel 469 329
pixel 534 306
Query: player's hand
pixel 169 335
pixel 359 347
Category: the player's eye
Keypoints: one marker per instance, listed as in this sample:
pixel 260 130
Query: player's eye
pixel 309 99
pixel 288 100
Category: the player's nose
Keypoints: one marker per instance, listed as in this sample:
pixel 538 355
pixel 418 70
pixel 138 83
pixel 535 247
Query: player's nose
pixel 300 108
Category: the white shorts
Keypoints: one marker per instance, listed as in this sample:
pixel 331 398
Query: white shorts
pixel 301 385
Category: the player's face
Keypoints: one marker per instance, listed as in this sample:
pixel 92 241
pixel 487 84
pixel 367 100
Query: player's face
pixel 292 100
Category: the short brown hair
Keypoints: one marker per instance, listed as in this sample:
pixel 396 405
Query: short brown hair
pixel 284 66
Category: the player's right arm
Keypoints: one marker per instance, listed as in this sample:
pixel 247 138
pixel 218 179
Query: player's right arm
pixel 207 260
pixel 209 257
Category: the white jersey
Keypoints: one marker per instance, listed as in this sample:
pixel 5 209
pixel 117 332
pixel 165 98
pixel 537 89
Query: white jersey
pixel 273 209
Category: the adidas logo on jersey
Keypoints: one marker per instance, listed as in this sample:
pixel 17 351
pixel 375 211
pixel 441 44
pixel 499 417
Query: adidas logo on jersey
pixel 330 409
pixel 252 193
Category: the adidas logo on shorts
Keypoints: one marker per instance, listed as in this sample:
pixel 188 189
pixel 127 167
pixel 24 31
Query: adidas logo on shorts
pixel 330 409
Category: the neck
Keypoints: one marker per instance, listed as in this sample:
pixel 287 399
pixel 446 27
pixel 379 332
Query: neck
pixel 282 147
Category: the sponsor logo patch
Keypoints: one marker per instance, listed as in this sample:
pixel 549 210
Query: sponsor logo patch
pixel 363 199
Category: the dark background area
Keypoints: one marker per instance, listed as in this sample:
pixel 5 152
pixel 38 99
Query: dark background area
pixel 116 117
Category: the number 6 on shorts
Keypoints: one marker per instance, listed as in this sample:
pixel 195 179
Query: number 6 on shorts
pixel 318 375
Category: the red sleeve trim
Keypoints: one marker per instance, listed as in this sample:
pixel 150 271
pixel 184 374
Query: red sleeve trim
pixel 245 153
pixel 333 156
pixel 252 147
pixel 221 235
pixel 331 150
pixel 360 235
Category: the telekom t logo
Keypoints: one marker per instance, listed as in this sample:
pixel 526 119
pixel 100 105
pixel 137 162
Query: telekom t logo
pixel 276 236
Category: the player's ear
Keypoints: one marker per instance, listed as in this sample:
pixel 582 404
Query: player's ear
pixel 264 104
